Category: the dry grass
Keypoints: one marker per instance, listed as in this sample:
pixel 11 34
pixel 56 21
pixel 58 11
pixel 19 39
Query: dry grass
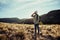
pixel 10 31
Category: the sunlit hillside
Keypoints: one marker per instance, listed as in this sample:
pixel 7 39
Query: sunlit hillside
pixel 10 31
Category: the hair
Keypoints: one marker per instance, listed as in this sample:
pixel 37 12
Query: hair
pixel 35 12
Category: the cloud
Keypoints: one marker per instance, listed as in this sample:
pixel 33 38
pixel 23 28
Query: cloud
pixel 32 3
pixel 3 1
pixel 5 4
pixel 16 7
pixel 21 4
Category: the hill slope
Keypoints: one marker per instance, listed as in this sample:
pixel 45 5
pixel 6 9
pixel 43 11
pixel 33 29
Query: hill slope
pixel 52 17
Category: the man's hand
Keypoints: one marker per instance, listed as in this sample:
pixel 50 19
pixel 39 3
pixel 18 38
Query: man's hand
pixel 33 15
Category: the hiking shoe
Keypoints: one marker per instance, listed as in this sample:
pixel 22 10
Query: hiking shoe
pixel 40 33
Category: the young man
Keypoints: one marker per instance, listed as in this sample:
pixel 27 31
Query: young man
pixel 36 21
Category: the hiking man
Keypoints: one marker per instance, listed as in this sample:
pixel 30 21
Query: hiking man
pixel 36 21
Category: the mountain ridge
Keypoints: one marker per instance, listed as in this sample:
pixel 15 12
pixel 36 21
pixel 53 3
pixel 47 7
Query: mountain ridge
pixel 52 17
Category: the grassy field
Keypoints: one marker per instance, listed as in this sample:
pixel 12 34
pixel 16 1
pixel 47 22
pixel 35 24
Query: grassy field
pixel 10 31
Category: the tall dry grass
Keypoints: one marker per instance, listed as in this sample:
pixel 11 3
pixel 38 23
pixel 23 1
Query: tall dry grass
pixel 10 31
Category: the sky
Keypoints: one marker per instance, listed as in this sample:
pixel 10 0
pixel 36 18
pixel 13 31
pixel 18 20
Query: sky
pixel 24 8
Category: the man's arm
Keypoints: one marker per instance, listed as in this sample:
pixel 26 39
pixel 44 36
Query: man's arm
pixel 38 18
pixel 32 15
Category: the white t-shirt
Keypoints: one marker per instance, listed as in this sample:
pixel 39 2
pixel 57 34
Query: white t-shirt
pixel 35 18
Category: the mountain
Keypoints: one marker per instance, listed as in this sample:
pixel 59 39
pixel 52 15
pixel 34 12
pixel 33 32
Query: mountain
pixel 16 20
pixel 52 17
pixel 10 20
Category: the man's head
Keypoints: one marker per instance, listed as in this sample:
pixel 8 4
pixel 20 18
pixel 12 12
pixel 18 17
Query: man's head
pixel 35 13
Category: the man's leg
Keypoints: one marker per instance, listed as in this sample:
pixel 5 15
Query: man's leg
pixel 35 32
pixel 38 28
pixel 39 31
